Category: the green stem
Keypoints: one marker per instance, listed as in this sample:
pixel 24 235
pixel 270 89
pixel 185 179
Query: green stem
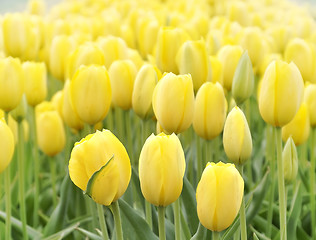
pixel 312 181
pixel 270 157
pixel 148 214
pixel 199 157
pixel 119 122
pixel 216 148
pixel 102 222
pixel 21 179
pixel 208 153
pixel 129 134
pixel 109 120
pixel 243 225
pixel 52 165
pixel 7 182
pixel 176 213
pixel 36 169
pixel 117 219
pixel 216 235
pixel 161 223
pixel 282 203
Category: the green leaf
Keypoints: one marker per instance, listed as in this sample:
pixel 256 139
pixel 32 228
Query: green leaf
pixel 184 228
pixel 255 237
pixel 88 234
pixel 295 213
pixel 229 233
pixel 200 233
pixel 63 233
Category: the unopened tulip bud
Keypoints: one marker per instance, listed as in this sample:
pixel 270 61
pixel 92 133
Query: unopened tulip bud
pixel 310 100
pixel 237 137
pixel 36 7
pixel 290 161
pixel 243 80
pixel 19 113
pixel 6 145
pixel 147 35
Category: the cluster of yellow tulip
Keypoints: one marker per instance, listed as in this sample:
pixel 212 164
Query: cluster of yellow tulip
pixel 112 72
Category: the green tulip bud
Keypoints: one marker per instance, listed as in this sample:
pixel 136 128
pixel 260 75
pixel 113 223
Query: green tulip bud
pixel 290 160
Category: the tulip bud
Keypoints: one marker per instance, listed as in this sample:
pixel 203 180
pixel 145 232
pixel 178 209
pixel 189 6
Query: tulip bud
pixel 217 70
pixel 192 58
pixel 310 100
pixel 11 83
pixel 145 82
pixel 281 35
pixel 229 56
pixel 57 101
pixel 243 80
pixel 237 137
pixel 173 102
pixel 6 145
pixel 290 161
pixel 19 113
pixel 122 76
pixel 161 169
pixel 169 41
pixel 219 195
pixel 299 127
pixel 36 7
pixel 237 11
pixel 90 93
pixel 50 129
pixel 86 54
pixel 281 93
pixel 209 111
pixel 35 82
pixel 147 35
pixel 135 57
pixel 303 55
pixel 102 152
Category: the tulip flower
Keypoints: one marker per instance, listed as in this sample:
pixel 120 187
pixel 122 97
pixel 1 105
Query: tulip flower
pixel 281 93
pixel 237 137
pixel 11 83
pixel 50 129
pixel 122 76
pixel 217 70
pixel 209 111
pixel 229 56
pixel 6 145
pixel 147 35
pixel 219 195
pixel 310 100
pixel 299 127
pixel 35 82
pixel 290 160
pixel 145 82
pixel 173 102
pixel 192 58
pixel 161 169
pixel 102 152
pixel 36 7
pixel 90 93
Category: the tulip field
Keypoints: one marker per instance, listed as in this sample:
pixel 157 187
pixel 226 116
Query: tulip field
pixel 158 119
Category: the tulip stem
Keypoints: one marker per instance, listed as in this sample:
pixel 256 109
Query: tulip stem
pixel 199 158
pixel 102 222
pixel 270 157
pixel 282 203
pixel 176 213
pixel 215 235
pixel 52 166
pixel 148 214
pixel 129 137
pixel 161 223
pixel 312 181
pixel 21 179
pixel 242 212
pixel 36 169
pixel 7 183
pixel 117 219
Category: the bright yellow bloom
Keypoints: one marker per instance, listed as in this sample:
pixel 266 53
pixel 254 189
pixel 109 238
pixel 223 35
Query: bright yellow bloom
pixel 6 145
pixel 237 137
pixel 173 102
pixel 310 99
pixel 122 76
pixel 35 82
pixel 11 83
pixel 50 129
pixel 219 195
pixel 209 110
pixel 147 35
pixel 92 154
pixel 192 58
pixel 290 160
pixel 90 93
pixel 299 127
pixel 217 70
pixel 36 7
pixel 57 101
pixel 281 93
pixel 161 169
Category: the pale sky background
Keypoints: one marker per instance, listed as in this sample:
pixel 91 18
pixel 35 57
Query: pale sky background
pixel 20 5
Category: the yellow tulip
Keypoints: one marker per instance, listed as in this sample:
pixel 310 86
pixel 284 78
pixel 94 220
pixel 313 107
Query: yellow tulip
pixel 6 145
pixel 161 169
pixel 229 56
pixel 217 70
pixel 281 36
pixel 36 7
pixel 57 101
pixel 281 93
pixel 35 82
pixel 147 35
pixel 213 41
pixel 122 76
pixel 50 129
pixel 299 127
pixel 173 102
pixel 237 11
pixel 90 93
pixel 145 82
pixel 192 58
pixel 209 111
pixel 237 137
pixel 267 59
pixel 11 83
pixel 290 160
pixel 169 41
pixel 85 54
pixel 219 195
pixel 135 57
pixel 101 151
pixel 310 99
